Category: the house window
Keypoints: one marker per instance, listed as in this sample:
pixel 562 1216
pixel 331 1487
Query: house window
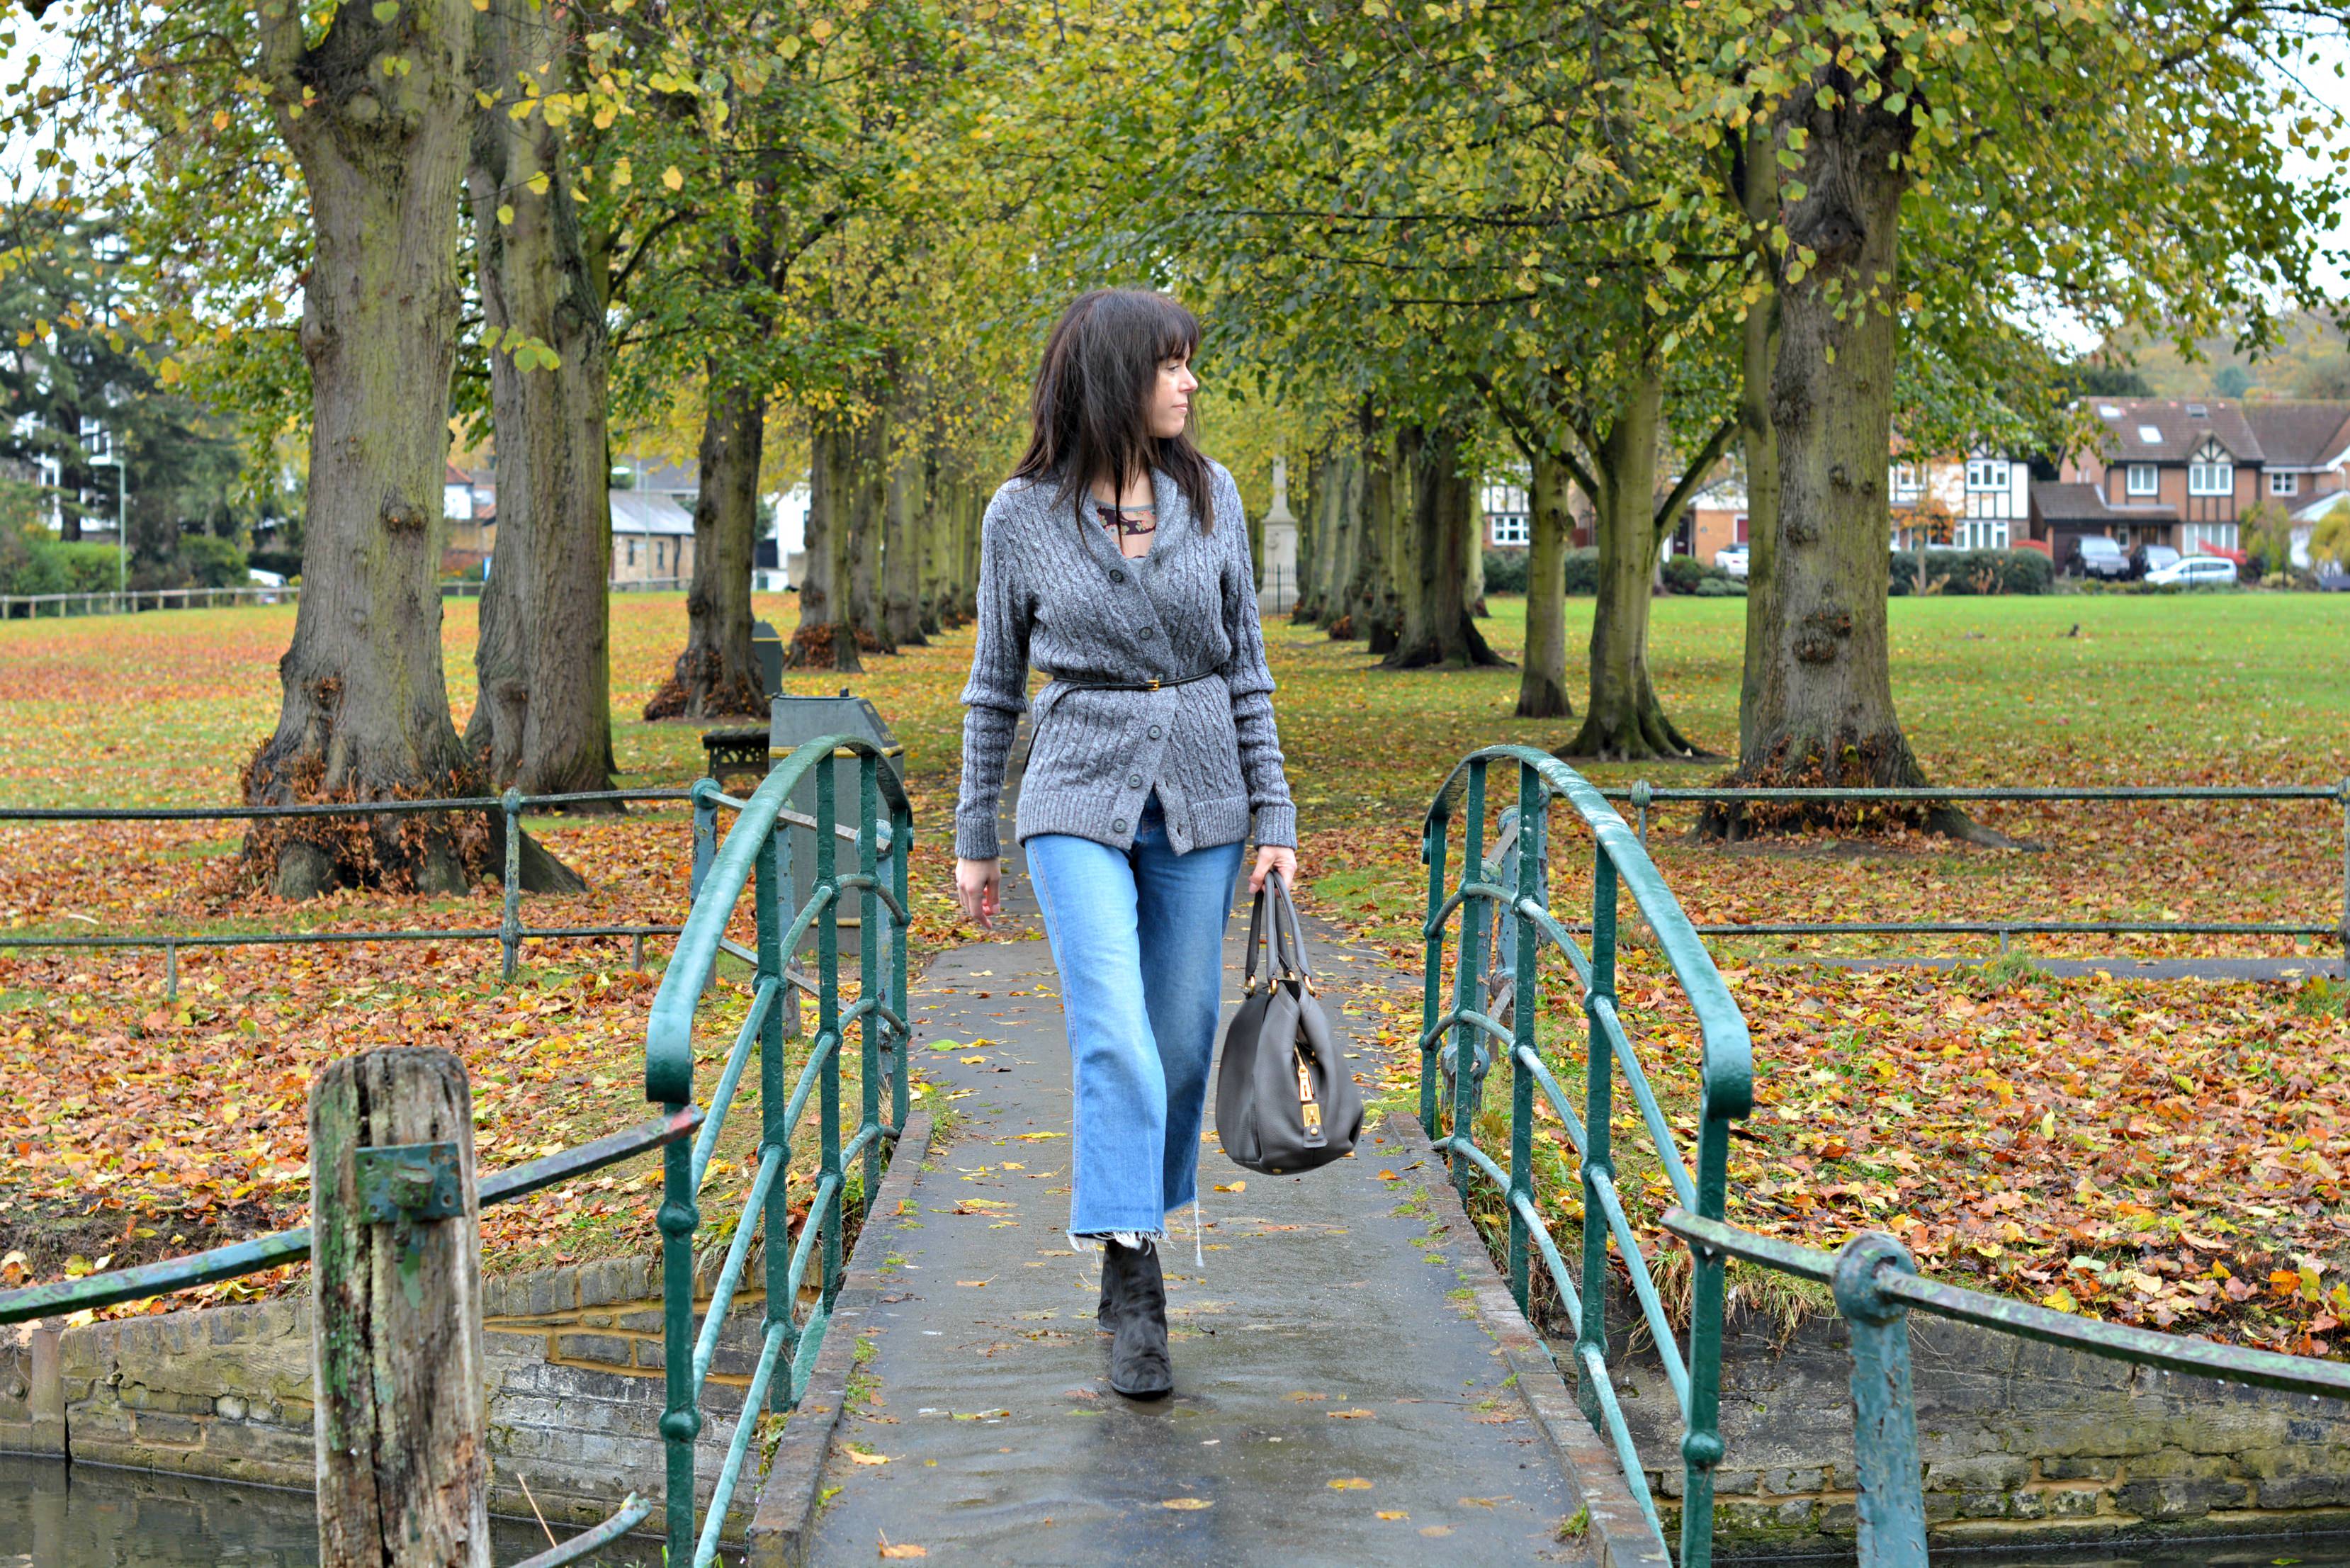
pixel 1986 473
pixel 1509 527
pixel 1907 484
pixel 2285 484
pixel 632 552
pixel 2142 479
pixel 2212 473
pixel 2150 434
pixel 1983 534
pixel 2209 537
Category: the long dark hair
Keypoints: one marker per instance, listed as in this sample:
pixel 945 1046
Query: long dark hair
pixel 1087 414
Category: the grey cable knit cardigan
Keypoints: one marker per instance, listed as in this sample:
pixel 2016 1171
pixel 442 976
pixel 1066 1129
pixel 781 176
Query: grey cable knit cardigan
pixel 1053 586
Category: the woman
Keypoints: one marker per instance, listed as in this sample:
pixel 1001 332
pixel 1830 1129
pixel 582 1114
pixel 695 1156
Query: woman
pixel 1116 559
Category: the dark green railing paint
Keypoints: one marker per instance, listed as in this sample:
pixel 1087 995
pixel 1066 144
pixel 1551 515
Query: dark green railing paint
pixel 1873 1279
pixel 1511 899
pixel 259 1252
pixel 1877 1285
pixel 756 857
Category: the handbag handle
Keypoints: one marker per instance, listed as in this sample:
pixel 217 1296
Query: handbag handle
pixel 1255 940
pixel 1289 948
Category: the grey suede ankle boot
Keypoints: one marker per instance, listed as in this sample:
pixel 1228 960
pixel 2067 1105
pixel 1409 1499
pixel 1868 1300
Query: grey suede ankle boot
pixel 1134 1309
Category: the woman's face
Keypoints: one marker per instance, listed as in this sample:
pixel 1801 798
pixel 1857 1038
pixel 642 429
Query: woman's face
pixel 1170 397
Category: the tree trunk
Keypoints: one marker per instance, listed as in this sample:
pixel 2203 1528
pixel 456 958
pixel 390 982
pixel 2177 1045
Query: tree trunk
pixel 1755 178
pixel 901 567
pixel 1542 681
pixel 1438 530
pixel 1624 720
pixel 867 511
pixel 824 639
pixel 544 718
pixel 718 676
pixel 1823 709
pixel 365 711
pixel 1472 554
pixel 1385 497
pixel 933 543
pixel 400 1423
pixel 971 513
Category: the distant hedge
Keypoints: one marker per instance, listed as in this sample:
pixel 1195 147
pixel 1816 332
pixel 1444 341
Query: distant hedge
pixel 1965 572
pixel 1506 570
pixel 53 567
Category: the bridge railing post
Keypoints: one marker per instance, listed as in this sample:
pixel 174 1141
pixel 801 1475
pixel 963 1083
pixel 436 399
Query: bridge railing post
pixel 401 1424
pixel 1892 1505
pixel 1469 977
pixel 872 934
pixel 1431 969
pixel 828 1177
pixel 510 915
pixel 1525 1005
pixel 772 899
pixel 1598 1161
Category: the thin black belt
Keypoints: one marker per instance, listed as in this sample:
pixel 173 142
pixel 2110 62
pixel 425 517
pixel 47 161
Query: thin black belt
pixel 1154 684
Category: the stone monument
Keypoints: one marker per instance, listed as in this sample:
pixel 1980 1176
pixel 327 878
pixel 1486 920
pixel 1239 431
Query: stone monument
pixel 1277 572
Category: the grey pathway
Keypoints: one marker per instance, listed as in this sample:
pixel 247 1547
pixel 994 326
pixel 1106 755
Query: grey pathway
pixel 1335 1401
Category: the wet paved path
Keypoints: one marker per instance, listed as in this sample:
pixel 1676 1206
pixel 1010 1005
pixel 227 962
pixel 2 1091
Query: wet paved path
pixel 1336 1400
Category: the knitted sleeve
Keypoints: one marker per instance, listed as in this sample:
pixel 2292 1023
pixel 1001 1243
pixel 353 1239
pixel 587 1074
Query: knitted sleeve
pixel 1250 680
pixel 995 696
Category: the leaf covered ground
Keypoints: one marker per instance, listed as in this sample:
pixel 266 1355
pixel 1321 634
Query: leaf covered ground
pixel 2135 1133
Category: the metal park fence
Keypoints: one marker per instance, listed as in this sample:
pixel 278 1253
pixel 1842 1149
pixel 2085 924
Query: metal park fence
pixel 32 607
pixel 793 1071
pixel 510 933
pixel 1643 796
pixel 24 607
pixel 1499 906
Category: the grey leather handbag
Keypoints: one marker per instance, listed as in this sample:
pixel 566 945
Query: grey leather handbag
pixel 1285 1099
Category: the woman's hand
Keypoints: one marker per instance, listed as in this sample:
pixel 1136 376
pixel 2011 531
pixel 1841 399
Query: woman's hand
pixel 980 885
pixel 1273 857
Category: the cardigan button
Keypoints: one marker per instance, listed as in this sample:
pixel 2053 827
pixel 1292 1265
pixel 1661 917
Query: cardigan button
pixel 1134 781
pixel 1154 732
pixel 1116 576
pixel 1118 825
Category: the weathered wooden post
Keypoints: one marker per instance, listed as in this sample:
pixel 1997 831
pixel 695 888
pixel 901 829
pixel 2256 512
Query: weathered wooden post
pixel 396 1318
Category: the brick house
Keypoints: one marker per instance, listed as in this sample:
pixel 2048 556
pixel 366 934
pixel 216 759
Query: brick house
pixel 2186 471
pixel 1978 502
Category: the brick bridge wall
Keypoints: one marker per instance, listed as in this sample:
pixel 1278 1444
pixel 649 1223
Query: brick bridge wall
pixel 2022 1444
pixel 575 1389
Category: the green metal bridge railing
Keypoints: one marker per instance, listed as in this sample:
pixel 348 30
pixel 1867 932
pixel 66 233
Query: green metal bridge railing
pixel 259 1252
pixel 1503 897
pixel 1507 900
pixel 1877 1285
pixel 756 854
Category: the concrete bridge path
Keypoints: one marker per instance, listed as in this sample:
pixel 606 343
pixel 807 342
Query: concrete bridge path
pixel 1338 1399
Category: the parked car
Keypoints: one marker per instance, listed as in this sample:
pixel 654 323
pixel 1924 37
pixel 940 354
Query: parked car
pixel 1731 558
pixel 2195 571
pixel 2095 555
pixel 2150 558
pixel 269 582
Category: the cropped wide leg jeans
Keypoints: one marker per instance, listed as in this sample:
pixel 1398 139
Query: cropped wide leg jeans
pixel 1139 937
